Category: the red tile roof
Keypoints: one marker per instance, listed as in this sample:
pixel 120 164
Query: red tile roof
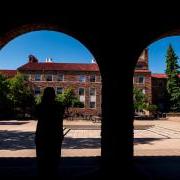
pixel 8 73
pixel 59 66
pixel 160 76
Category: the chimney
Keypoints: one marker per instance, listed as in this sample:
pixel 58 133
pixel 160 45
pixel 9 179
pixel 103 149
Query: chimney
pixel 49 60
pixel 32 59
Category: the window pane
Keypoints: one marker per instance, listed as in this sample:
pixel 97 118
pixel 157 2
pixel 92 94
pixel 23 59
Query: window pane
pixel 59 90
pixel 82 78
pixel 37 91
pixel 60 77
pixel 92 91
pixel 92 104
pixel 81 91
pixel 37 77
pixel 92 78
pixel 139 79
pixel 48 77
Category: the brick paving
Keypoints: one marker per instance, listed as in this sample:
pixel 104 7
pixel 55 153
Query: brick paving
pixel 161 138
pixel 17 139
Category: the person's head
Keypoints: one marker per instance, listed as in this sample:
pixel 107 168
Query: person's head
pixel 48 95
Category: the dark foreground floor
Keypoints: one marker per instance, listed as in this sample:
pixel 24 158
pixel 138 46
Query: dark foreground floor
pixel 71 167
pixel 150 168
pixel 158 167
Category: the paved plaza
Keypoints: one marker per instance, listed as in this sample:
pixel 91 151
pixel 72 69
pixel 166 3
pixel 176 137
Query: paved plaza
pixel 157 137
pixel 17 139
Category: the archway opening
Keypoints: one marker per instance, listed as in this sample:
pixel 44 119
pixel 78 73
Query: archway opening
pixel 156 115
pixel 82 122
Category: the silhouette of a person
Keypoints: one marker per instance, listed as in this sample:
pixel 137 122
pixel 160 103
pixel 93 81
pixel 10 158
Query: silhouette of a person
pixel 49 134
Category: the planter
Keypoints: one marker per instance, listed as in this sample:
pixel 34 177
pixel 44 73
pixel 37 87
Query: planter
pixel 173 114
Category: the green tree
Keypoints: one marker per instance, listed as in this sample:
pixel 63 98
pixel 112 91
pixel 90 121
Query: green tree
pixel 21 94
pixel 5 103
pixel 140 100
pixel 69 99
pixel 173 81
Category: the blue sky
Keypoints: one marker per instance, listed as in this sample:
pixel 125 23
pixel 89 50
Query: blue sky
pixel 64 48
pixel 157 53
pixel 43 44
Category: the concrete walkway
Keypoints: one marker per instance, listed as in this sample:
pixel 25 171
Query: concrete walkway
pixel 17 139
pixel 159 138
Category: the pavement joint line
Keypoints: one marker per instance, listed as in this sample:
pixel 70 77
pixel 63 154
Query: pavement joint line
pixel 159 134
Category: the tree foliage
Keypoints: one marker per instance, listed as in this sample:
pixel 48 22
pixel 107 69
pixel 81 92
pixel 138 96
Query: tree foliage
pixel 173 81
pixel 139 100
pixel 5 103
pixel 69 99
pixel 20 93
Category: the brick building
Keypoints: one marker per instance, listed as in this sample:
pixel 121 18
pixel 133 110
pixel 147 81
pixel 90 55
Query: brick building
pixel 151 84
pixel 142 75
pixel 85 79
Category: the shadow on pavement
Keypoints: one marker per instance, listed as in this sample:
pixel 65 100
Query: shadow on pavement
pixel 13 123
pixel 81 143
pixel 18 140
pixel 146 140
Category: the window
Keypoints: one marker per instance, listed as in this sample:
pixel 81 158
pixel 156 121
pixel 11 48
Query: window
pixel 60 77
pixel 37 77
pixel 81 91
pixel 37 91
pixel 92 104
pixel 26 77
pixel 59 90
pixel 92 91
pixel 93 78
pixel 139 79
pixel 139 66
pixel 82 95
pixel 48 77
pixel 82 78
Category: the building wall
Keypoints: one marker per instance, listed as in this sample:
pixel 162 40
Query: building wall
pixel 159 93
pixel 142 69
pixel 71 79
pixel 146 86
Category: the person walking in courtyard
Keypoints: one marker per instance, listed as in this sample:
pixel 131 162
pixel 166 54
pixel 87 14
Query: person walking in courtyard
pixel 49 134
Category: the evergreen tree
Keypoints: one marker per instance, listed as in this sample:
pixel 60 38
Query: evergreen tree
pixel 173 81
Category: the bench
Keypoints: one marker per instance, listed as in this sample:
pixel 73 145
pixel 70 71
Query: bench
pixel 96 119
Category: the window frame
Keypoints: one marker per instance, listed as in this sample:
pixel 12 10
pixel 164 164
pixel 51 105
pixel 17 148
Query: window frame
pixel 90 91
pixel 94 104
pixel 79 91
pixel 81 75
pixel 61 88
pixel 46 76
pixel 36 76
pixel 36 94
pixel 91 76
pixel 57 77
